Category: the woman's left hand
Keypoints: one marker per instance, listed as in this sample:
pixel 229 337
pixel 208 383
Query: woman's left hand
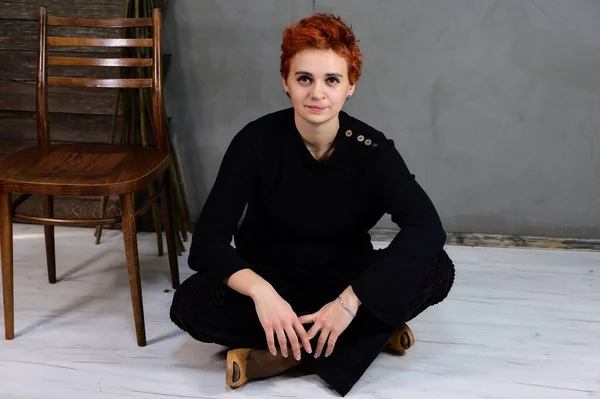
pixel 332 320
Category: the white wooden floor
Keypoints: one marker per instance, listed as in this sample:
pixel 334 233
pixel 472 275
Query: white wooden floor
pixel 518 324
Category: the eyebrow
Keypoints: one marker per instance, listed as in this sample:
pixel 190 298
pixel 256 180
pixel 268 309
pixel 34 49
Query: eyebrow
pixel 330 74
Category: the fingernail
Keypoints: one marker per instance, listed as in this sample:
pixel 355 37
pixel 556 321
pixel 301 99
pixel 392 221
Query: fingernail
pixel 309 350
pixel 297 356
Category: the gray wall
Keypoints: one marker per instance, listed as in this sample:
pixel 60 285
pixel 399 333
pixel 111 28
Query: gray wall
pixel 495 105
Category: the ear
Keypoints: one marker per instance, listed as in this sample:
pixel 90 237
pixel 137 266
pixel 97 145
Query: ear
pixel 285 85
pixel 351 90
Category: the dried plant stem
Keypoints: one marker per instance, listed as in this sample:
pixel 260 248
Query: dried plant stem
pixel 137 119
pixel 113 130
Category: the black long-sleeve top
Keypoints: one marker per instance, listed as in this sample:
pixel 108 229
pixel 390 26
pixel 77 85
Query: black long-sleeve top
pixel 306 218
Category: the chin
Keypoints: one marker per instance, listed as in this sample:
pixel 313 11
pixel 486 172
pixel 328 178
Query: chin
pixel 318 120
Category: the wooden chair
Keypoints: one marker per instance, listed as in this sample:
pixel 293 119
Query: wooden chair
pixel 90 169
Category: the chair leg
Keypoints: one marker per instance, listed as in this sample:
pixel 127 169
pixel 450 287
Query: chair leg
pixel 133 265
pixel 6 248
pixel 167 210
pixel 49 235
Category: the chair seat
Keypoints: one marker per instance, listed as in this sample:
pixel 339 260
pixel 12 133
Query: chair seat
pixel 93 169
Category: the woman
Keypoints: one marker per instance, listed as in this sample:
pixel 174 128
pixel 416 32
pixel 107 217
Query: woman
pixel 303 278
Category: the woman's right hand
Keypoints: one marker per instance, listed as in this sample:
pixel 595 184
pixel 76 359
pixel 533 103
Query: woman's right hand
pixel 278 318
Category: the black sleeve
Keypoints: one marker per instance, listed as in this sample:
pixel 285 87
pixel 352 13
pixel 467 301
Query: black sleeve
pixel 399 271
pixel 211 251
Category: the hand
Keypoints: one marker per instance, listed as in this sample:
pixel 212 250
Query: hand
pixel 277 317
pixel 332 320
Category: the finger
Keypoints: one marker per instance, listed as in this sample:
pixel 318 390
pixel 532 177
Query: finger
pixel 331 343
pixel 314 330
pixel 303 336
pixel 309 318
pixel 321 343
pixel 271 341
pixel 282 341
pixel 293 338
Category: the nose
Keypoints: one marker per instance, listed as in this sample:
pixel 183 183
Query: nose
pixel 317 91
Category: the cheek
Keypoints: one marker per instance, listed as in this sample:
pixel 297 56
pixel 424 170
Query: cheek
pixel 297 96
pixel 340 96
pixel 299 93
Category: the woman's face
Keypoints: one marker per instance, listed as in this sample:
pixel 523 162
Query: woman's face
pixel 318 85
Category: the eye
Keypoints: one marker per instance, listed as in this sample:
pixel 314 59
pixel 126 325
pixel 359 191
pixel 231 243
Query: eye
pixel 304 79
pixel 333 80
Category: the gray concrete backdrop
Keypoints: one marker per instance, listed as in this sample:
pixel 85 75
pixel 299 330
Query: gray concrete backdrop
pixel 495 105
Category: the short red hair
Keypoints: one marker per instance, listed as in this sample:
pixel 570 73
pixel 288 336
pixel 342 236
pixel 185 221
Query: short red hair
pixel 321 32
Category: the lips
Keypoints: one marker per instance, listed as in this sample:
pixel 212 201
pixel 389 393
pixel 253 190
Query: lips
pixel 316 108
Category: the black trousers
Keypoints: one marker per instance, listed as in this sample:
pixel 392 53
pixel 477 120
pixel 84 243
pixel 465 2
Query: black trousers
pixel 211 312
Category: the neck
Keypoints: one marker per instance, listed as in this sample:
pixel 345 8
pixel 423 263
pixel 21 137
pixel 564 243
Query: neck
pixel 317 137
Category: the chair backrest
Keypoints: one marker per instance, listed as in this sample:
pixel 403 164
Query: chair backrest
pixel 155 62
